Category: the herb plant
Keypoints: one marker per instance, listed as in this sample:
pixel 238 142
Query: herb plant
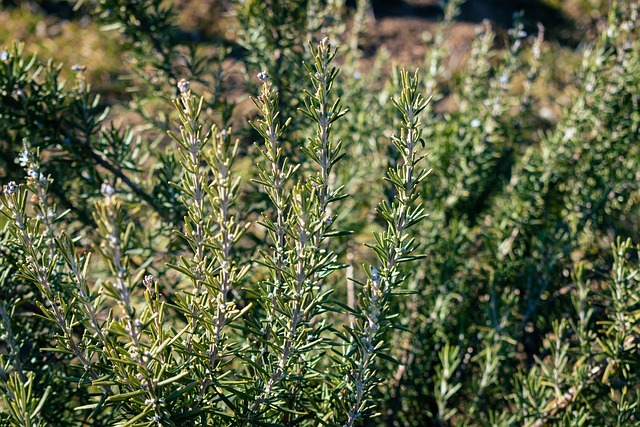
pixel 339 250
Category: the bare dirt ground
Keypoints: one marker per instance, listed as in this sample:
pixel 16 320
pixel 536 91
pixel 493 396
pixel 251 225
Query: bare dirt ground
pixel 401 26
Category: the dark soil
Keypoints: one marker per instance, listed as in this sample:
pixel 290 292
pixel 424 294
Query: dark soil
pixel 400 25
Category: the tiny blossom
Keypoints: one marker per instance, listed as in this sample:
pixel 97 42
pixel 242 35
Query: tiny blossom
pixel 107 190
pixel 610 31
pixel 517 33
pixel 475 123
pixel 375 278
pixel 24 158
pixel 569 133
pixel 356 75
pixel 324 42
pixel 148 281
pixel 263 76
pixel 4 55
pixel 78 68
pixel 183 85
pixel 11 188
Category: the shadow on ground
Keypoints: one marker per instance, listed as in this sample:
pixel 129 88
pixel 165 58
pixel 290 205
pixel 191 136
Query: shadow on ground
pixel 560 27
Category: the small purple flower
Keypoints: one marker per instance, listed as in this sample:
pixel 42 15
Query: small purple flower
pixel 24 158
pixel 11 188
pixel 183 85
pixel 375 278
pixel 107 190
pixel 263 76
pixel 148 281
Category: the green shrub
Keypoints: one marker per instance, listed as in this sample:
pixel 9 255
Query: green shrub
pixel 500 282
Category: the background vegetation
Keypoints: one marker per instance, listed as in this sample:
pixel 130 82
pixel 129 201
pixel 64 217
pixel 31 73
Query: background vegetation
pixel 287 228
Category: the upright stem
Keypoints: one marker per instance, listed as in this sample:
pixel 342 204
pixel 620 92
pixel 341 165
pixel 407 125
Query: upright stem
pixel 394 246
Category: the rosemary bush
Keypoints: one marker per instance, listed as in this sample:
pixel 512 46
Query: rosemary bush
pixel 349 255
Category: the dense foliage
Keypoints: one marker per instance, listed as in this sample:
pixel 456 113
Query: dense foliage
pixel 352 254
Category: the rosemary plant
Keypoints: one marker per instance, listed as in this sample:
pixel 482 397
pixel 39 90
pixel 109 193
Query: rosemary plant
pixel 228 289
